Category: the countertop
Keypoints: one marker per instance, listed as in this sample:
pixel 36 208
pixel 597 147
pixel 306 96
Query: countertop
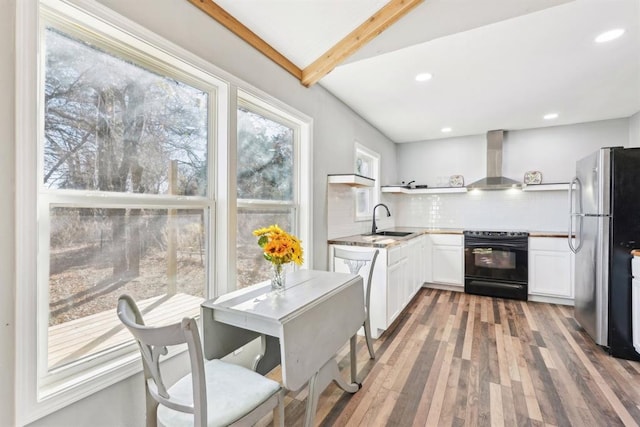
pixel 635 252
pixel 562 234
pixel 389 241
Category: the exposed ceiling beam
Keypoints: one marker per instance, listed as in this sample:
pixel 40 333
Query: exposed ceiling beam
pixel 368 30
pixel 372 27
pixel 236 27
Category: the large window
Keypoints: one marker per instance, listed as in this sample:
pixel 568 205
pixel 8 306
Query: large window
pixel 116 191
pixel 117 135
pixel 117 196
pixel 267 183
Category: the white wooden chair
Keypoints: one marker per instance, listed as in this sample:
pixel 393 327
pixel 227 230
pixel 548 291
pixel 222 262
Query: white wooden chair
pixel 355 260
pixel 215 393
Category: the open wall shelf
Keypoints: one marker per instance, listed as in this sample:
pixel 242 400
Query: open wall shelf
pixel 434 190
pixel 351 179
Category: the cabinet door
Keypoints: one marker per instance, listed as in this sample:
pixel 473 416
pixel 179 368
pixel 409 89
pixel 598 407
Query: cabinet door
pixel 427 258
pixel 551 267
pixel 396 276
pixel 635 310
pixel 413 269
pixel 447 264
pixel 550 273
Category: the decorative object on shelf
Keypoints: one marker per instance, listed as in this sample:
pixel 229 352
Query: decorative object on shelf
pixel 532 177
pixel 456 181
pixel 279 248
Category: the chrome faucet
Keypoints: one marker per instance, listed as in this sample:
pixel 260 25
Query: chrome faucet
pixel 373 227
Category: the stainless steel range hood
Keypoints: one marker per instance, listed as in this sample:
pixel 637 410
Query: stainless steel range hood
pixel 494 179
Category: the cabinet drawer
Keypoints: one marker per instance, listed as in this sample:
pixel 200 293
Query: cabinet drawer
pixel 447 239
pixel 549 244
pixel 396 254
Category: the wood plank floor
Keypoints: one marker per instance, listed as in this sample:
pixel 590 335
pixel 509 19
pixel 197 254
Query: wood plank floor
pixel 453 359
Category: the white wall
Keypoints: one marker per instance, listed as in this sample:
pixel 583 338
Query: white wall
pixel 428 162
pixel 7 239
pixel 551 150
pixel 335 128
pixel 554 150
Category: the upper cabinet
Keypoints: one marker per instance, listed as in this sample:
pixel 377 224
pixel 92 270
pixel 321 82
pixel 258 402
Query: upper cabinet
pixel 351 179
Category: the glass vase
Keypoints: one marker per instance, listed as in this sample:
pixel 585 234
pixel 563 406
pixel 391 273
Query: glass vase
pixel 277 280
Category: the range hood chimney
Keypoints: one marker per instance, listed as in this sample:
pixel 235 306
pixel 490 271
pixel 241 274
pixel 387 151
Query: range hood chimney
pixel 494 179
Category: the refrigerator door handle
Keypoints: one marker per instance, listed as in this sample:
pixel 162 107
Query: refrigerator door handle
pixel 575 181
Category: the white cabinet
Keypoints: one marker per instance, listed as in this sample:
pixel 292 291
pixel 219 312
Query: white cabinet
pixel 396 284
pixel 397 276
pixel 550 270
pixel 427 259
pixel 447 259
pixel 415 267
pixel 635 302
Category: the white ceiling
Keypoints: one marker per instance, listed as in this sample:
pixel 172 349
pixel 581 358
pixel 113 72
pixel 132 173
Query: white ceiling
pixel 496 64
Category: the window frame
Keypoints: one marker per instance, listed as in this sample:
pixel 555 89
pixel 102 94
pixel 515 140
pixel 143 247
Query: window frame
pixel 116 43
pixel 373 193
pixel 301 204
pixel 39 392
pixel 28 406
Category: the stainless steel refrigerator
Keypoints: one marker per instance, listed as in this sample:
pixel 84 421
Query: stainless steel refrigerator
pixel 604 217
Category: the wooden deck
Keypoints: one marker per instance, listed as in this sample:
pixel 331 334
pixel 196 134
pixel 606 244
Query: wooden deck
pixel 78 338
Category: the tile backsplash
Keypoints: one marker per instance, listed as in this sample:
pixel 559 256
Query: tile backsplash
pixel 486 210
pixel 341 207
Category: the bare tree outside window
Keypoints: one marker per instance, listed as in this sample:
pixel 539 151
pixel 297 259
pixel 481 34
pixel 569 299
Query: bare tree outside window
pixel 111 125
pixel 114 127
pixel 266 185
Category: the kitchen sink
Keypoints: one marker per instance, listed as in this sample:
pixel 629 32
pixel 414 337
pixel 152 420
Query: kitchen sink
pixel 393 233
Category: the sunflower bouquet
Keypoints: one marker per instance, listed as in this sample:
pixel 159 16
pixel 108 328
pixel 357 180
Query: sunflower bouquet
pixel 279 248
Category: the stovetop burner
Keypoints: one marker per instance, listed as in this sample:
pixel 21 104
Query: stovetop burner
pixel 482 233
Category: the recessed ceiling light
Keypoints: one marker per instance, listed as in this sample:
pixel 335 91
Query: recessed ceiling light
pixel 550 116
pixel 423 77
pixel 445 130
pixel 607 36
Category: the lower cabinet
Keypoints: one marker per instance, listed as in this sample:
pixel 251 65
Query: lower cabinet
pixel 550 270
pixel 396 284
pixel 446 259
pixel 397 276
pixel 635 302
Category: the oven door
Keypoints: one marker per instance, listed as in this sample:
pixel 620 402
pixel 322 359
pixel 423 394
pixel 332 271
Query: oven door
pixel 504 260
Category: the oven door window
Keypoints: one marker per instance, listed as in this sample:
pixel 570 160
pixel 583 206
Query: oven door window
pixel 491 258
pixel 497 263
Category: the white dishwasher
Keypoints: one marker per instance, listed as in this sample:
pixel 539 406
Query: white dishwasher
pixel 635 302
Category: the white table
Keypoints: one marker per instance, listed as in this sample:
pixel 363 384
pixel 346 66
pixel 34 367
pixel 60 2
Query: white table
pixel 302 328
